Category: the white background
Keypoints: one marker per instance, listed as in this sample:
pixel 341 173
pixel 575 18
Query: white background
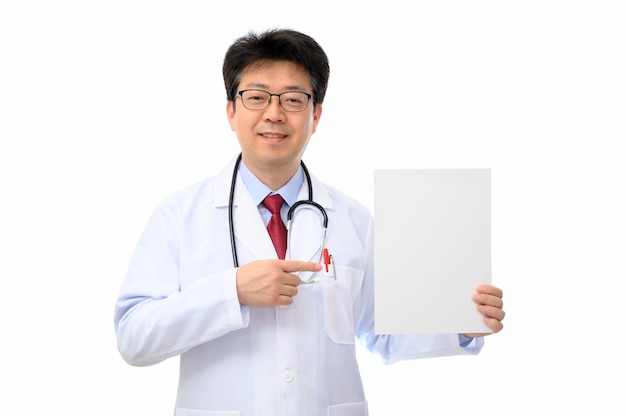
pixel 106 107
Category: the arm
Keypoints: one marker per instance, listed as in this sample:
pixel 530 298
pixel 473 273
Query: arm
pixel 157 316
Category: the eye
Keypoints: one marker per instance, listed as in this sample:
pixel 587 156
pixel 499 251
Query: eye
pixel 255 97
pixel 293 99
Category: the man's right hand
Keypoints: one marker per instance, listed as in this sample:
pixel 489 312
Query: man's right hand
pixel 271 282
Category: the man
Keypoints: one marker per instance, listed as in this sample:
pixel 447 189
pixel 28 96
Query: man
pixel 207 283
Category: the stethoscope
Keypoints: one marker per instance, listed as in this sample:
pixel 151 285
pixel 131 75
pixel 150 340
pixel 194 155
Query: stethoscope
pixel 290 213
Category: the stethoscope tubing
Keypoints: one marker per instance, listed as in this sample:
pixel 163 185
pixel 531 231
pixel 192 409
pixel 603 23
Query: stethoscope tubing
pixel 290 213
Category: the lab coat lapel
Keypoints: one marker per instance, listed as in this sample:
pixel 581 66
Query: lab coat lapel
pixel 251 236
pixel 250 232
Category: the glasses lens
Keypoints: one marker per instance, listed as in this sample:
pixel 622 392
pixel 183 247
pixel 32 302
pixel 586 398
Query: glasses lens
pixel 255 99
pixel 294 101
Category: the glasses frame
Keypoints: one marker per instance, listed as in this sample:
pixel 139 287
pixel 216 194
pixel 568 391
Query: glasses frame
pixel 269 101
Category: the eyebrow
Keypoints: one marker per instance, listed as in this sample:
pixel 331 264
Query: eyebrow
pixel 266 87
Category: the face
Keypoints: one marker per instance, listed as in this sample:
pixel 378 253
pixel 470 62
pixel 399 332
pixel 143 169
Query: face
pixel 273 140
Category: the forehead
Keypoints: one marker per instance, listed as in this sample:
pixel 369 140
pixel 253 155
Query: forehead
pixel 276 75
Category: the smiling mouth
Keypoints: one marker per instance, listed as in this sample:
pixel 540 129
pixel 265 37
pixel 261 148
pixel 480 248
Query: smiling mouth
pixel 273 135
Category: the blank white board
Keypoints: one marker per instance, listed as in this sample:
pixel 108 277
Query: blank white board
pixel 432 248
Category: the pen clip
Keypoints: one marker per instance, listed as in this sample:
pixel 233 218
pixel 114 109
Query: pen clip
pixel 333 264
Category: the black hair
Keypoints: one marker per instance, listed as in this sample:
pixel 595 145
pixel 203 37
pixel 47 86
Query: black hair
pixel 276 45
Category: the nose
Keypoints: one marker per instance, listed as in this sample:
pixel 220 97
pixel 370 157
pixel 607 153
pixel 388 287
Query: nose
pixel 274 111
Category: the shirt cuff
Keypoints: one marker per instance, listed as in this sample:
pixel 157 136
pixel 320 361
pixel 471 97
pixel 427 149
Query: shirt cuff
pixel 464 341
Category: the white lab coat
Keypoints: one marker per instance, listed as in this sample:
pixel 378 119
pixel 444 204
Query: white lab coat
pixel 179 298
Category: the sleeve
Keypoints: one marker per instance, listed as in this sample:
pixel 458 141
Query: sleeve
pixel 154 319
pixel 393 348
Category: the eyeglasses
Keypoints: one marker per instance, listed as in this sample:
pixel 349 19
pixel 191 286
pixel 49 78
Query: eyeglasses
pixel 291 101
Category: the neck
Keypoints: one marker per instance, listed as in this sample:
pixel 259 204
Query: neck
pixel 272 175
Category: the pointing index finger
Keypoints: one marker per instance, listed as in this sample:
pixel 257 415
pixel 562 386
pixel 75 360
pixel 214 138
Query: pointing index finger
pixel 301 266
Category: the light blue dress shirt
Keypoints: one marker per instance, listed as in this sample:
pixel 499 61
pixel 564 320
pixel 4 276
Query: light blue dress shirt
pixel 258 190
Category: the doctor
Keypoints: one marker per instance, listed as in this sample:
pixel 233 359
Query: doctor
pixel 252 338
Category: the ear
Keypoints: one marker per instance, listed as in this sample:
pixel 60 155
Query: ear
pixel 317 114
pixel 230 113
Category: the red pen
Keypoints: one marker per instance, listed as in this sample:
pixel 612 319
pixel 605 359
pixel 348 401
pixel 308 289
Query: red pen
pixel 326 259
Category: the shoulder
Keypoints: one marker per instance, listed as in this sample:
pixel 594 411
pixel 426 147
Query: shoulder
pixel 195 196
pixel 207 193
pixel 346 204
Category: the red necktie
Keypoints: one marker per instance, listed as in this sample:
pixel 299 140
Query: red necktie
pixel 276 227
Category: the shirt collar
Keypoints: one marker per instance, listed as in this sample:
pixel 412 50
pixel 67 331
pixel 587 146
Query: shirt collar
pixel 258 190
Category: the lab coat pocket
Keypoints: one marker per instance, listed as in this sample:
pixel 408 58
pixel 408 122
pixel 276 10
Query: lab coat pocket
pixel 340 293
pixel 197 412
pixel 348 409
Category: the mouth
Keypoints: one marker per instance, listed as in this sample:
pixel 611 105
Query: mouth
pixel 273 136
